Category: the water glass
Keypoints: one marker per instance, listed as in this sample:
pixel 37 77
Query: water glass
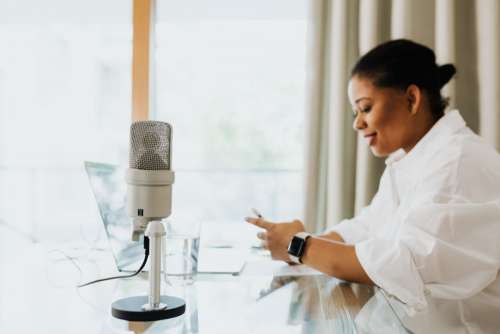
pixel 182 244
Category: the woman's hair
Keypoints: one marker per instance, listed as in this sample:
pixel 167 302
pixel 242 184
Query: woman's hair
pixel 400 63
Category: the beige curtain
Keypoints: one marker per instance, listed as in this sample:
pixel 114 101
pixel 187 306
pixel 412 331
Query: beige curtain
pixel 341 174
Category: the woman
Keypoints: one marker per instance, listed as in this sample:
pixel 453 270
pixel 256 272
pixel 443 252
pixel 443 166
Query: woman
pixel 433 228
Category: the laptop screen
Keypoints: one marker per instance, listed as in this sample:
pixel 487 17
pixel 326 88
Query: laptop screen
pixel 110 189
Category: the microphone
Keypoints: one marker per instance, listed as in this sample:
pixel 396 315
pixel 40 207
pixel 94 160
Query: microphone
pixel 149 199
pixel 149 176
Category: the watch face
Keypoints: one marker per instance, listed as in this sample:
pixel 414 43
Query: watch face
pixel 295 247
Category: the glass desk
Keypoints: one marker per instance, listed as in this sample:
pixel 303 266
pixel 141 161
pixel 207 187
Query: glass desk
pixel 308 304
pixel 38 295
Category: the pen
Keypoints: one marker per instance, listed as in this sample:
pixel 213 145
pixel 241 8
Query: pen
pixel 257 213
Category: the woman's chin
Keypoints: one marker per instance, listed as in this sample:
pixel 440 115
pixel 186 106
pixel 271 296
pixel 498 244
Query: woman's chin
pixel 378 153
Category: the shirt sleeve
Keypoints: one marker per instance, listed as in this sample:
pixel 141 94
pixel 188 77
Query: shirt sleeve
pixel 355 229
pixel 448 250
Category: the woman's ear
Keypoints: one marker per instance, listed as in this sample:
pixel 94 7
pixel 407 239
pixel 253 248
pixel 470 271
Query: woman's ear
pixel 414 96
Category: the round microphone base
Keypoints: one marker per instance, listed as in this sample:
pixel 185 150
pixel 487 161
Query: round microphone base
pixel 132 308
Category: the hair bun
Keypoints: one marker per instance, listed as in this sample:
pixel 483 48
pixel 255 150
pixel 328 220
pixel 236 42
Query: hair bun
pixel 446 72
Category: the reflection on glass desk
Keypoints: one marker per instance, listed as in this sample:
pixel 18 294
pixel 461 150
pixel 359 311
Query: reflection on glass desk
pixel 38 295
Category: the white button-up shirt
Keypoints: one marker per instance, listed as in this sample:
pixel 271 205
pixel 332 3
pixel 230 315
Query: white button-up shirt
pixel 432 231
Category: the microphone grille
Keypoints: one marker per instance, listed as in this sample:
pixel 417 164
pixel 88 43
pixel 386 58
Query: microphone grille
pixel 150 143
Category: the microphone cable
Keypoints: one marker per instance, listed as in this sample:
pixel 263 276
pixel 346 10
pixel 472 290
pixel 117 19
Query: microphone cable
pixel 146 255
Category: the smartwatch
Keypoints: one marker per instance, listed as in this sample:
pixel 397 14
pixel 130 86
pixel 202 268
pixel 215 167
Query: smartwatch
pixel 297 246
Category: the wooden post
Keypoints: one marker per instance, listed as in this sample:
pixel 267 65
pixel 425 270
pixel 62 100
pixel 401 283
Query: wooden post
pixel 141 58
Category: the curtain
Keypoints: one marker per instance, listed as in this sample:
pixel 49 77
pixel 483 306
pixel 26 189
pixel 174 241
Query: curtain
pixel 341 174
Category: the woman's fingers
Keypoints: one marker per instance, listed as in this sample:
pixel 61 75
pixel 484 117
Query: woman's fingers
pixel 259 223
pixel 261 235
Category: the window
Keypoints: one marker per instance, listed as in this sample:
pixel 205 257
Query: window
pixel 231 80
pixel 65 80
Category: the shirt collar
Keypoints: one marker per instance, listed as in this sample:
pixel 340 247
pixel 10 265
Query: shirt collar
pixel 451 122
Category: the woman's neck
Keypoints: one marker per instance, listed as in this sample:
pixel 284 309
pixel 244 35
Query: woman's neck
pixel 420 128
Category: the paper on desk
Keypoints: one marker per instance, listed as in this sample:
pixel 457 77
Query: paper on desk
pixel 221 260
pixel 276 268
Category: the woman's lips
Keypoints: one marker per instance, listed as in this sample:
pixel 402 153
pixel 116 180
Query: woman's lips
pixel 370 138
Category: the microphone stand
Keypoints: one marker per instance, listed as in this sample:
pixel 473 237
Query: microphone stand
pixel 154 306
pixel 155 232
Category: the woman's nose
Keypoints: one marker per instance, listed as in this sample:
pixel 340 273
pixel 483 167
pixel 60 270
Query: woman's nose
pixel 359 123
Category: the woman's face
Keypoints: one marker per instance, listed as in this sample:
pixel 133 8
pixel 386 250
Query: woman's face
pixel 382 116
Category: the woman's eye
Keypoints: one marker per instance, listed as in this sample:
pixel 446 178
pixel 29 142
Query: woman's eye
pixel 363 110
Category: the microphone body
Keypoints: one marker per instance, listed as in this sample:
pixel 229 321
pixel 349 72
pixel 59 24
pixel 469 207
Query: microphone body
pixel 149 178
pixel 149 197
pixel 150 193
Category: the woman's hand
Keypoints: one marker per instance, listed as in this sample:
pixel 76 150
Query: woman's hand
pixel 277 236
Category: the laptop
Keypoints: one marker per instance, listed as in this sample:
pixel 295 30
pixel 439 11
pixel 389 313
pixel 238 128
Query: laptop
pixel 110 189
